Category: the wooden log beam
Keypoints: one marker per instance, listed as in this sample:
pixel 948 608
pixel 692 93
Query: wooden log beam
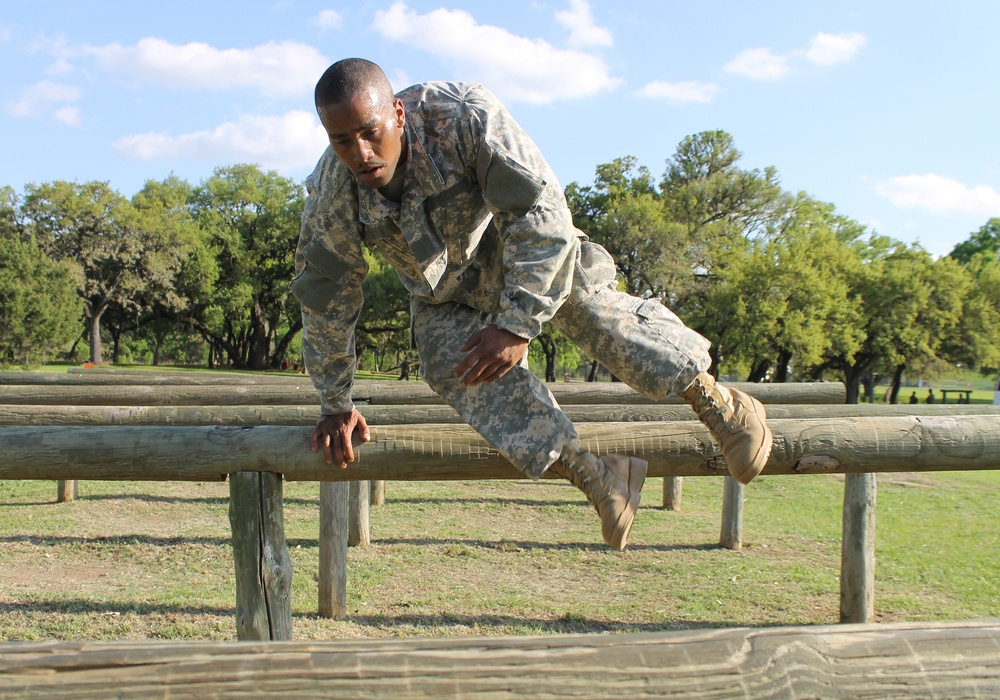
pixel 260 555
pixel 913 660
pixel 370 392
pixel 456 452
pixel 149 378
pixel 411 415
pixel 333 530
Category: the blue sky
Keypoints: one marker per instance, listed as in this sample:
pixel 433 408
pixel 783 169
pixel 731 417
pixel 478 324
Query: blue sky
pixel 886 109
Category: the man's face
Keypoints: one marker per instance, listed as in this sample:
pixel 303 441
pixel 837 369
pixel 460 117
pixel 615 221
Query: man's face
pixel 367 135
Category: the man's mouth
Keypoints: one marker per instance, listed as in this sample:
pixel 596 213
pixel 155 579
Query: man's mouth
pixel 372 169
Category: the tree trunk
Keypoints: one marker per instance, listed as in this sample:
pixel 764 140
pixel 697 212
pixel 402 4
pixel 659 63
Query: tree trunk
pixel 759 373
pixel 281 348
pixel 897 382
pixel 95 333
pixel 781 370
pixel 592 375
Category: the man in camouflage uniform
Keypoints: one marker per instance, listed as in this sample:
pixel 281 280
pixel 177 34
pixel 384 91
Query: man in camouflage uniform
pixel 442 180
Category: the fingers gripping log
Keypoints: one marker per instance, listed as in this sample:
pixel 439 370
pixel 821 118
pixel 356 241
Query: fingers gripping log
pixel 454 452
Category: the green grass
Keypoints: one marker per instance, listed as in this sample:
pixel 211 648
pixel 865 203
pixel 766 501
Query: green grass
pixel 152 560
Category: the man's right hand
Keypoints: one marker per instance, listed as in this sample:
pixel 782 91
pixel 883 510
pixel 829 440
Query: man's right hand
pixel 333 434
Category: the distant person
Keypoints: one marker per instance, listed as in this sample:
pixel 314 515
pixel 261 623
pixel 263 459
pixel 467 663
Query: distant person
pixel 913 398
pixel 930 396
pixel 404 370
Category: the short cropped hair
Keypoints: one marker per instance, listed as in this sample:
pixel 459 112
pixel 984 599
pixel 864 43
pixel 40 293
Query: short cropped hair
pixel 348 78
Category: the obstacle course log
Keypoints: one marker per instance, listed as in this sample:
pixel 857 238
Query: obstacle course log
pixel 369 392
pixel 449 452
pixel 149 378
pixel 943 660
pixel 333 523
pixel 260 555
pixel 857 553
pixel 412 415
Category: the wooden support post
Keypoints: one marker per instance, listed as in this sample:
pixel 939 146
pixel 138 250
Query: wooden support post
pixel 263 568
pixel 377 495
pixel 857 554
pixel 359 532
pixel 67 490
pixel 672 491
pixel 333 528
pixel 732 515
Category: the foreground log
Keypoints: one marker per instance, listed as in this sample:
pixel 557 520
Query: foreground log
pixel 944 660
pixel 448 452
pixel 369 392
pixel 412 415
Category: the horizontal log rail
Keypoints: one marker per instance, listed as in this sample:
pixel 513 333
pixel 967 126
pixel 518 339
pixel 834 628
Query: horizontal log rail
pixel 23 414
pixel 368 392
pixel 94 377
pixel 921 660
pixel 455 452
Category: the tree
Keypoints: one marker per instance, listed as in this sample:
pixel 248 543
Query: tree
pixel 985 240
pixel 39 308
pixel 622 211
pixel 787 297
pixel 384 322
pixel 252 219
pixel 126 254
pixel 721 208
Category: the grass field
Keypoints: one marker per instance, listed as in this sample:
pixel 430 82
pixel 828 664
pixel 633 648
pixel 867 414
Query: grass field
pixel 153 560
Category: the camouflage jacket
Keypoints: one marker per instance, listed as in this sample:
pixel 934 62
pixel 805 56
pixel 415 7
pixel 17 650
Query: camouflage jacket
pixel 483 221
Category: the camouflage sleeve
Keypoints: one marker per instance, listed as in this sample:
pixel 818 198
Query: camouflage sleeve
pixel 529 209
pixel 329 269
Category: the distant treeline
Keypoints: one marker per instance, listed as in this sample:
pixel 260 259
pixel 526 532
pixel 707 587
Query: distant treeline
pixel 782 284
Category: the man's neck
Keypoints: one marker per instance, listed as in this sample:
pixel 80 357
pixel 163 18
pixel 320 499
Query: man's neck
pixel 394 190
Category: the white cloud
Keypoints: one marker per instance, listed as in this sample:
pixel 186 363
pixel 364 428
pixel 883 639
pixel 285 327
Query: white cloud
pixel 515 67
pixel 583 31
pixel 759 64
pixel 283 142
pixel 41 98
pixel 831 49
pixel 685 91
pixel 940 195
pixel 329 19
pixel 284 68
pixel 69 116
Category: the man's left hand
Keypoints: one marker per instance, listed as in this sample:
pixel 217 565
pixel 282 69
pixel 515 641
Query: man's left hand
pixel 492 353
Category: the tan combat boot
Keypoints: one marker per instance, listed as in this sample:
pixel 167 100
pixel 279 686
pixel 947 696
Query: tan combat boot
pixel 736 421
pixel 611 483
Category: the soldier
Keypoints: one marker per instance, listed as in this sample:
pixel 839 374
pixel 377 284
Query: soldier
pixel 458 199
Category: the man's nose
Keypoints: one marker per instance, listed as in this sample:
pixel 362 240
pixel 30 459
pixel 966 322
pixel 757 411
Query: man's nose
pixel 363 150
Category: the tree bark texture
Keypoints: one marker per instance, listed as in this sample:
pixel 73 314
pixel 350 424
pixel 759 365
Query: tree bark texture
pixel 260 554
pixel 911 660
pixel 369 392
pixel 333 525
pixel 731 535
pixel 406 415
pixel 453 451
pixel 857 557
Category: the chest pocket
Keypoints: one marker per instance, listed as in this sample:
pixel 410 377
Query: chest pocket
pixel 458 210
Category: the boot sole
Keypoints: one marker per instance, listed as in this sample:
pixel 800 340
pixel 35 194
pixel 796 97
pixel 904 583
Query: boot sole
pixel 637 469
pixel 764 453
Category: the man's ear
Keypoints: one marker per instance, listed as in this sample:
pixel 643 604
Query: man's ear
pixel 400 113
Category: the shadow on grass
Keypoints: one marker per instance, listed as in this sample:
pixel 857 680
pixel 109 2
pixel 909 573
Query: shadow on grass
pixel 515 546
pixel 423 625
pixel 76 606
pixel 511 546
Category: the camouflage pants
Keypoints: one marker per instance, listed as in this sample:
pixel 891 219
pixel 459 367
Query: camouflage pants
pixel 642 342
